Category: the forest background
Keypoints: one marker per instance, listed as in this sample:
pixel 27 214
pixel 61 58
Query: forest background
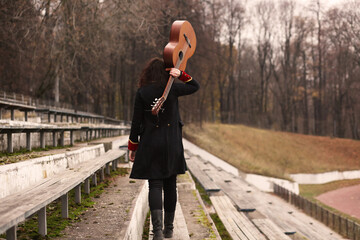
pixel 271 64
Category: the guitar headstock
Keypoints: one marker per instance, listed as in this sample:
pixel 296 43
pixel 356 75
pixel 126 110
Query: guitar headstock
pixel 157 104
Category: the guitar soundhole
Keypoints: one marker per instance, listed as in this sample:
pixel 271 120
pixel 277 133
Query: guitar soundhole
pixel 181 55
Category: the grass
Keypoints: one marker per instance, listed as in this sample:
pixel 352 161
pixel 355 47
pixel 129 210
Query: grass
pixel 55 223
pixel 272 153
pixel 203 194
pixel 145 235
pixel 214 216
pixel 311 191
pixel 204 221
pixel 220 227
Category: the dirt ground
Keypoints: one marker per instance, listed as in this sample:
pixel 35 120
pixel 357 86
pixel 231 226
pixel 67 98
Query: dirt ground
pixel 345 199
pixel 111 210
pixel 106 219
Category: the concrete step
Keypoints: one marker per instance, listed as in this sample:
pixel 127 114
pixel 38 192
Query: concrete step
pixel 180 229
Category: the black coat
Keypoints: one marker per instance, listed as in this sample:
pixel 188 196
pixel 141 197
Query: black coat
pixel 160 152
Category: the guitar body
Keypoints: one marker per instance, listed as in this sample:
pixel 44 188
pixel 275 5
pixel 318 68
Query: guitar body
pixel 181 47
pixel 178 47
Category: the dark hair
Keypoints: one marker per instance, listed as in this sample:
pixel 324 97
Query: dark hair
pixel 154 73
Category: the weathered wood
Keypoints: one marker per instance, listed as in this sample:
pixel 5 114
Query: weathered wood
pixel 271 231
pixel 17 207
pixel 12 114
pixel 11 233
pixel 242 221
pixel 233 187
pixel 42 221
pixel 206 182
pixel 282 214
pixel 65 205
pixel 238 226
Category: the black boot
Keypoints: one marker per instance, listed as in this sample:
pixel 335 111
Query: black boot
pixel 156 218
pixel 169 224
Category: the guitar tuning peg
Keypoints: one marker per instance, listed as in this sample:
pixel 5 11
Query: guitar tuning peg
pixel 156 99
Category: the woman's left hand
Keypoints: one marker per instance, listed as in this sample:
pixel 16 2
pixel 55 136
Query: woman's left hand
pixel 132 155
pixel 174 72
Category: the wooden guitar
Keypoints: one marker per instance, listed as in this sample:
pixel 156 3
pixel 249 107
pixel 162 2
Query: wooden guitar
pixel 180 48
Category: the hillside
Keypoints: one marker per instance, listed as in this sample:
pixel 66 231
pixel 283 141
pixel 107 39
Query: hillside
pixel 275 153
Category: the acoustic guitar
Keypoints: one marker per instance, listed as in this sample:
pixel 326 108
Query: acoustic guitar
pixel 181 47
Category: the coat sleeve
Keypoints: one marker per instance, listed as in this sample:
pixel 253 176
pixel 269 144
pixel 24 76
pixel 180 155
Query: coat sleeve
pixel 180 89
pixel 137 120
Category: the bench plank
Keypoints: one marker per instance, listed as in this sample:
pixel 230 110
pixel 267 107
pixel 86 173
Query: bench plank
pixel 207 183
pixel 271 231
pixel 237 224
pixel 17 207
pixel 232 187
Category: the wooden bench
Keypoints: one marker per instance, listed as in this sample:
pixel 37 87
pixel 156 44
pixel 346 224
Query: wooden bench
pixel 17 207
pixel 236 223
pixel 10 102
pixel 28 128
pixel 206 182
pixel 242 195
pixel 16 106
pixel 229 184
pixel 270 230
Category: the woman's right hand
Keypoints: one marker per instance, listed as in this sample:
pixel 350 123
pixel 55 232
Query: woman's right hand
pixel 174 72
pixel 132 155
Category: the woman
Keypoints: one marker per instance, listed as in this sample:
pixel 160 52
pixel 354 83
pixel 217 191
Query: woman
pixel 159 155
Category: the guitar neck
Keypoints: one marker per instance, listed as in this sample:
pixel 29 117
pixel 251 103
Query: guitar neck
pixel 171 78
pixel 168 87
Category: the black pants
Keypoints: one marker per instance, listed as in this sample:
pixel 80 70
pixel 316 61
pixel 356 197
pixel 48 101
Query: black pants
pixel 155 193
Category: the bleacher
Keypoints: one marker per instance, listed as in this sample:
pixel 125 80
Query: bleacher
pixel 88 124
pixel 246 212
pixel 26 188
